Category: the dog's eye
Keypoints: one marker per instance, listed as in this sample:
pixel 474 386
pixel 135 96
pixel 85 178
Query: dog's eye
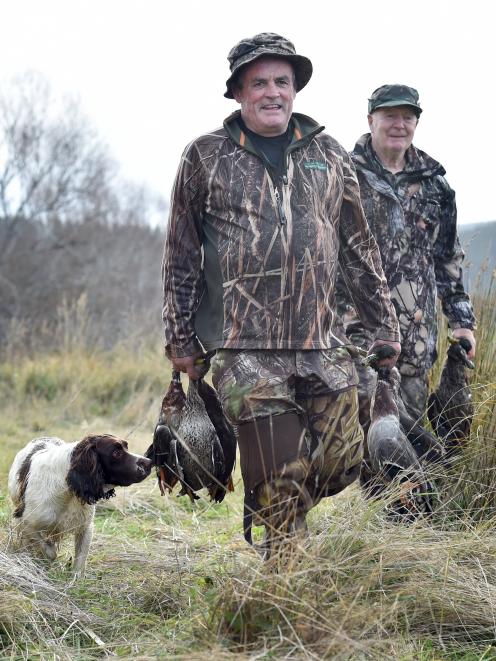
pixel 117 453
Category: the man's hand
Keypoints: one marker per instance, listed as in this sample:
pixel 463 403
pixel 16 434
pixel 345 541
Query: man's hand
pixel 187 364
pixel 458 333
pixel 390 361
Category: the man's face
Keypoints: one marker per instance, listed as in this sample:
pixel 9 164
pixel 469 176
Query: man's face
pixel 392 129
pixel 266 95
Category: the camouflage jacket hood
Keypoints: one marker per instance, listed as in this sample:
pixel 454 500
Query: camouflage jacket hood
pixel 250 263
pixel 412 214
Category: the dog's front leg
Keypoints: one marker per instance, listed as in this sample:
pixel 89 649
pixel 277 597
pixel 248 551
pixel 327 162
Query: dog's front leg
pixel 82 545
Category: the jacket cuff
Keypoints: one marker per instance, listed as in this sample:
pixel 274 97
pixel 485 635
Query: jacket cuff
pixel 388 336
pixel 460 315
pixel 191 348
pixel 456 324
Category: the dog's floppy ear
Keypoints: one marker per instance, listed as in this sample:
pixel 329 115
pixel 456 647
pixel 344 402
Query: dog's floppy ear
pixel 85 477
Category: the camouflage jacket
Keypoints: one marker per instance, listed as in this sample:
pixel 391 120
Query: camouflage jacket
pixel 412 214
pixel 250 263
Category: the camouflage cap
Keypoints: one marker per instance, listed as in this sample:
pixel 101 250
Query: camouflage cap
pixel 267 43
pixel 389 96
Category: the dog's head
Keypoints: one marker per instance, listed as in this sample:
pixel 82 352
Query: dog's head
pixel 101 462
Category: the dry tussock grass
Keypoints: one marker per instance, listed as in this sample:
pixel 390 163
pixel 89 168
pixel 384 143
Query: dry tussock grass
pixel 160 583
pixel 36 612
pixel 364 585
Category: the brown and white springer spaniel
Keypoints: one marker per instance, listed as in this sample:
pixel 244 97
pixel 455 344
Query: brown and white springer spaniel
pixel 54 487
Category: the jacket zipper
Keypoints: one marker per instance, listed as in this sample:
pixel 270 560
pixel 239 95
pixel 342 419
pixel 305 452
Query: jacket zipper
pixel 280 210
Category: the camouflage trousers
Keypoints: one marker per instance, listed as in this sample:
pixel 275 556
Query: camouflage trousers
pixel 307 395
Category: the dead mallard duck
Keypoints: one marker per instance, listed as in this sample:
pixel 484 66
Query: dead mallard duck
pixel 427 447
pixel 193 442
pixel 392 456
pixel 450 408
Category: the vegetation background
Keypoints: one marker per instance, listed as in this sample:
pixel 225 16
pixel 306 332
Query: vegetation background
pixel 81 352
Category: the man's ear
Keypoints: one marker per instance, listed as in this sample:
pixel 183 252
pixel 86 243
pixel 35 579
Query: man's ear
pixel 370 120
pixel 237 87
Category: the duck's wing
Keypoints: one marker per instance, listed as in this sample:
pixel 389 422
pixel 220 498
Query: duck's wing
pixel 451 420
pixel 394 459
pixel 427 447
pixel 435 413
pixel 225 431
pixel 450 408
pixel 217 488
pixel 180 460
pixel 389 450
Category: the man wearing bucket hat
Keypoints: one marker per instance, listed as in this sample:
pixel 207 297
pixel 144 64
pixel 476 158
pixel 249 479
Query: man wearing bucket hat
pixel 412 213
pixel 262 210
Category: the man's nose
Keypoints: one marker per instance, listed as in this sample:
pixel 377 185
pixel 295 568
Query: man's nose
pixel 272 89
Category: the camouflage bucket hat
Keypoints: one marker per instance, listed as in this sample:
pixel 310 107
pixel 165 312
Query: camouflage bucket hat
pixel 267 43
pixel 389 96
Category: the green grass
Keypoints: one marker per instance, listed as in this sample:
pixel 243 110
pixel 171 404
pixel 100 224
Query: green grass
pixel 171 580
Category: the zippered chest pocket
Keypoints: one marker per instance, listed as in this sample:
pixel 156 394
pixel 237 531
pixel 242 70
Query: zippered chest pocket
pixel 424 215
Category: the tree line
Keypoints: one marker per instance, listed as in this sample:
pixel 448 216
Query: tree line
pixel 72 229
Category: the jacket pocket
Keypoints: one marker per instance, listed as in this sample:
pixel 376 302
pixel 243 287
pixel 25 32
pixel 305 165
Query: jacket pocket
pixel 424 217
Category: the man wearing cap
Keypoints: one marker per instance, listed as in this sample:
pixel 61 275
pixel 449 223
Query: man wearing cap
pixel 412 213
pixel 262 211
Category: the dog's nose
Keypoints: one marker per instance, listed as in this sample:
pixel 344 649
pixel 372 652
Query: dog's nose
pixel 145 464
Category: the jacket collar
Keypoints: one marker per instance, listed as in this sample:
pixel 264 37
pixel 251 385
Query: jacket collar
pixel 419 165
pixel 304 129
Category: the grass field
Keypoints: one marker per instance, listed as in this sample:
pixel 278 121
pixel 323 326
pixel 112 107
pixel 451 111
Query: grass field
pixel 166 579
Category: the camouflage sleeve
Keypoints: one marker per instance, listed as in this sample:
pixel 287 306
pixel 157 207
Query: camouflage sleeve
pixel 182 262
pixel 360 264
pixel 448 258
